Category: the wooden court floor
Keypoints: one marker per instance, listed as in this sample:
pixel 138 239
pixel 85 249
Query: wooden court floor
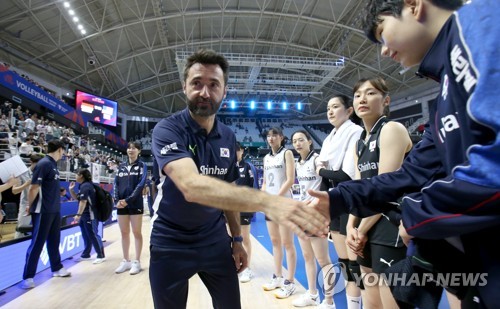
pixel 97 286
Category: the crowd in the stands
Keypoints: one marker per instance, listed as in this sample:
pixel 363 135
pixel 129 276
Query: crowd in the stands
pixel 24 132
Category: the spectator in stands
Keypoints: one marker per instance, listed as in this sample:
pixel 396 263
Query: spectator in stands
pixel 6 108
pixel 41 141
pixel 26 149
pixel 336 164
pixel 18 113
pixel 29 124
pixel 66 141
pixel 23 216
pixel 128 185
pixel 45 209
pixel 50 131
pixel 85 216
pixel 14 142
pixel 65 196
pixel 21 127
pixel 56 131
pixel 279 176
pixel 112 165
pixel 4 121
pixel 27 113
pixel 77 161
pixel 40 128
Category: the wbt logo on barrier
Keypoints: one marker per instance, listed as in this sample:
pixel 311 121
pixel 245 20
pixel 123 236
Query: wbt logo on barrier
pixel 69 243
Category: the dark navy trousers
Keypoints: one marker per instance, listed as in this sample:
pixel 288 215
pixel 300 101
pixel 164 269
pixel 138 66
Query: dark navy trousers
pixel 170 270
pixel 90 236
pixel 46 228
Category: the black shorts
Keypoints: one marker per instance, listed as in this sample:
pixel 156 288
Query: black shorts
pixel 380 257
pixel 246 218
pixel 129 211
pixel 339 224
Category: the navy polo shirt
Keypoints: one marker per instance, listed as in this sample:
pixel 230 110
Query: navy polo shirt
pixel 46 175
pixel 87 193
pixel 178 223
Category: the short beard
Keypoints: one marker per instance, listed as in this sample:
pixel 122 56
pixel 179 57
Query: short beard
pixel 203 111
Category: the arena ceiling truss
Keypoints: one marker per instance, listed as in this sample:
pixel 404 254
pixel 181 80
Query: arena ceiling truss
pixel 133 50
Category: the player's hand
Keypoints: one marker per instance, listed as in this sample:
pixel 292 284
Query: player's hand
pixel 404 235
pixel 13 181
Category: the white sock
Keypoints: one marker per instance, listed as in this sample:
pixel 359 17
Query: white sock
pixel 353 302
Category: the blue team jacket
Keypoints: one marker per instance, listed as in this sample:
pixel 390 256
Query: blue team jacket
pixel 451 179
pixel 129 184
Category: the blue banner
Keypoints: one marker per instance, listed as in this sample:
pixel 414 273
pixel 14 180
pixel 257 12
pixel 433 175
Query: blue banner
pixel 18 84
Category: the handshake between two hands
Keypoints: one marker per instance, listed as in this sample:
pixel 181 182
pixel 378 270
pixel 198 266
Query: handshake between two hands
pixel 304 219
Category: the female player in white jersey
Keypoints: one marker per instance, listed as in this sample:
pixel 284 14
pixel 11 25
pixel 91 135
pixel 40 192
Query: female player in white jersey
pixel 314 247
pixel 279 176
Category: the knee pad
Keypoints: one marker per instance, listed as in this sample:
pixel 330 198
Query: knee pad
pixel 344 265
pixel 354 274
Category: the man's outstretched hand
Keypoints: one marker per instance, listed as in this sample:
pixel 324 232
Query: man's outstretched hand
pixel 299 217
pixel 321 202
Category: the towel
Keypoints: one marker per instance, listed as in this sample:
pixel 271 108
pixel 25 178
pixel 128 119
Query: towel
pixel 337 144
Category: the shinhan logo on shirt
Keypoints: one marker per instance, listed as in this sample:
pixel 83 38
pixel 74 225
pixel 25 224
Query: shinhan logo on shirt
pixel 167 148
pixel 224 153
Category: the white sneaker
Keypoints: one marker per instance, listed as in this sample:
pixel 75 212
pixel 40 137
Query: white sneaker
pixel 306 299
pixel 325 305
pixel 61 273
pixel 136 267
pixel 28 283
pixel 246 275
pixel 99 260
pixel 124 266
pixel 273 284
pixel 286 290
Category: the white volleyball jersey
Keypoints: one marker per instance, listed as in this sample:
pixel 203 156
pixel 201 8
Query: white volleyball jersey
pixel 307 177
pixel 275 171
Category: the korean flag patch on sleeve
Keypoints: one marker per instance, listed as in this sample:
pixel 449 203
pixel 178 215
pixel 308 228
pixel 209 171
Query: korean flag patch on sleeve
pixel 224 153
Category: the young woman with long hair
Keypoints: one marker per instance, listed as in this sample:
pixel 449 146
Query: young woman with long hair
pixel 279 176
pixel 314 248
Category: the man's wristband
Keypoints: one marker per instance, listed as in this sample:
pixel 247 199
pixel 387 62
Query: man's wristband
pixel 79 215
pixel 238 238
